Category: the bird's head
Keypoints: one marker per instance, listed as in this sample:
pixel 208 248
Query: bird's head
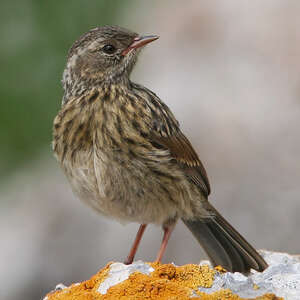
pixel 103 54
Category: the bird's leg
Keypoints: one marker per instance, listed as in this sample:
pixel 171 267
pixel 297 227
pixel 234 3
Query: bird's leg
pixel 135 245
pixel 167 233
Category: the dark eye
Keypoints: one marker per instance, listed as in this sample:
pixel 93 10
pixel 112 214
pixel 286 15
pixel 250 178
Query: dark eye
pixel 109 49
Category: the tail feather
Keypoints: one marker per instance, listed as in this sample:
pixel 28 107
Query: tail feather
pixel 224 245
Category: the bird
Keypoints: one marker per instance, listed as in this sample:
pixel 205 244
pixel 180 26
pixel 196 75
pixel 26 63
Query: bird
pixel 124 154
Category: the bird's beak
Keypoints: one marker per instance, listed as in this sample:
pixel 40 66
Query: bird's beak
pixel 140 41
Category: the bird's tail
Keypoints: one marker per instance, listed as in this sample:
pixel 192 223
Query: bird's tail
pixel 224 245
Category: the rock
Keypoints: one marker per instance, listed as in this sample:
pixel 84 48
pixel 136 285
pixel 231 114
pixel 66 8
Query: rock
pixel 158 281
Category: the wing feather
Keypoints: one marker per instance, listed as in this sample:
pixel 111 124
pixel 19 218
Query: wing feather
pixel 183 152
pixel 165 133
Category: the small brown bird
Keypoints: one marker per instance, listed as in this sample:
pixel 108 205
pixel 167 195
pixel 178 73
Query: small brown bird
pixel 124 154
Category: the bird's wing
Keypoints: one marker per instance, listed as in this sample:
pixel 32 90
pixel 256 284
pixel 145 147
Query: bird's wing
pixel 182 151
pixel 165 133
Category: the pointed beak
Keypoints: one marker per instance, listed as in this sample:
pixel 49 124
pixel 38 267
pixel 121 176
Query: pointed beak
pixel 140 41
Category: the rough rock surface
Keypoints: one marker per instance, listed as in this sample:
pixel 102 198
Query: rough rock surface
pixel 282 278
pixel 157 281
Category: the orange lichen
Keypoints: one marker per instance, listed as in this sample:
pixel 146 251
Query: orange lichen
pixel 227 295
pixel 190 276
pixel 85 290
pixel 166 282
pixel 220 269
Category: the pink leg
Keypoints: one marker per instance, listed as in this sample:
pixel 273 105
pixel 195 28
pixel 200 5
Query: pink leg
pixel 135 245
pixel 167 233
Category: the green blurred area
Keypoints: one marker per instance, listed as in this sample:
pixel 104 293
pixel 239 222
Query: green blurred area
pixel 35 38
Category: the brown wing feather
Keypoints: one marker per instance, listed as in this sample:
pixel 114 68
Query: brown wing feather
pixel 183 152
pixel 165 133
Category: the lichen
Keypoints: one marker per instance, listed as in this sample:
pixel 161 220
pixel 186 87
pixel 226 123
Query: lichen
pixel 166 282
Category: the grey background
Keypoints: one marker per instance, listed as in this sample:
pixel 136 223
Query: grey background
pixel 229 71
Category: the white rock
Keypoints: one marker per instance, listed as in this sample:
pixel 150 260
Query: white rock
pixel 119 272
pixel 282 278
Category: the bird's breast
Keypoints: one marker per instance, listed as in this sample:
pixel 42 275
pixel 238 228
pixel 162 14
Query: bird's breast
pixel 103 145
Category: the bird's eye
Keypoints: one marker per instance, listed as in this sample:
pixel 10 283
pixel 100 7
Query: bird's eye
pixel 109 49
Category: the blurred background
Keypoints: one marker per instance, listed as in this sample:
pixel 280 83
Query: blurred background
pixel 230 71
